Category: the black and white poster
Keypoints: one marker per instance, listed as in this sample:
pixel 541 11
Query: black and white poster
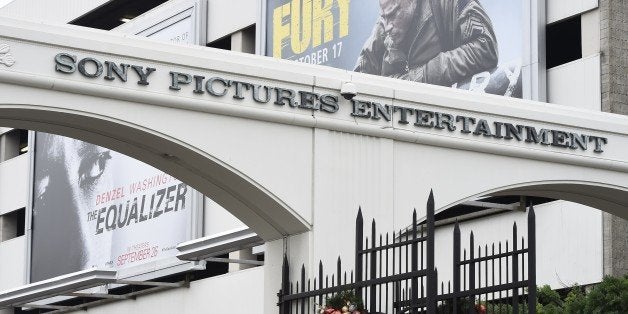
pixel 474 45
pixel 94 207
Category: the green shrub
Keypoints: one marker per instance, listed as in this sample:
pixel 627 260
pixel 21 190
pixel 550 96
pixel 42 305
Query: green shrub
pixel 494 308
pixel 546 296
pixel 610 296
pixel 549 309
pixel 575 301
pixel 341 299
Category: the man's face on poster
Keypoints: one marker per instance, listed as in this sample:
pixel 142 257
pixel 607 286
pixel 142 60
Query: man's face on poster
pixel 78 166
pixel 397 15
pixel 70 176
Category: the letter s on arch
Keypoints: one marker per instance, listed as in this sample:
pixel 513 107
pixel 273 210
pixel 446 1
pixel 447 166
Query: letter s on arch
pixel 65 63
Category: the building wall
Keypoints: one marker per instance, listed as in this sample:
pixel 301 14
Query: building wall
pixel 560 263
pixel 14 187
pixel 614 46
pixel 236 292
pixel 561 9
pixel 576 84
pixel 220 25
pixel 14 183
pixel 14 263
pixel 50 11
pixel 614 35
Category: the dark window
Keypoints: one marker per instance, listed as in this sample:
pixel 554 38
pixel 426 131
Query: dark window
pixel 222 43
pixel 20 217
pixel 15 143
pixel 13 224
pixel 115 13
pixel 23 146
pixel 564 42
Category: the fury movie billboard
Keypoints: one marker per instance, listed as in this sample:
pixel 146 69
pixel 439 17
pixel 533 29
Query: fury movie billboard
pixel 94 207
pixel 467 44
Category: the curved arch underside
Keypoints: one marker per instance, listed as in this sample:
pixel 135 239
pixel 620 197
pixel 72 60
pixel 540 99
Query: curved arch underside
pixel 607 198
pixel 613 200
pixel 250 202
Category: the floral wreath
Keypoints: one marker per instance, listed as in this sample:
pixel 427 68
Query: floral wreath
pixel 345 302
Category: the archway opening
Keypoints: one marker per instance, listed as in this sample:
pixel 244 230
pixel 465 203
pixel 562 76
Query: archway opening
pixel 247 200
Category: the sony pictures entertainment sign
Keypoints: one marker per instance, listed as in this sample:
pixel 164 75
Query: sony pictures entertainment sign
pixel 329 103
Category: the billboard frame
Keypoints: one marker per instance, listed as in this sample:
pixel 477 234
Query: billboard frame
pixel 147 271
pixel 162 17
pixel 533 55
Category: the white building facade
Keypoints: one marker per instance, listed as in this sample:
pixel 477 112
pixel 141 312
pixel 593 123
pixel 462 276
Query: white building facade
pixel 288 180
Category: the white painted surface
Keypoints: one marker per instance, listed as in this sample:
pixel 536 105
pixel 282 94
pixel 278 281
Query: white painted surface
pixel 390 195
pixel 569 238
pixel 14 183
pixel 174 21
pixel 576 84
pixel 232 131
pixel 368 181
pixel 322 166
pixel 217 220
pixel 5 2
pixel 590 24
pixel 562 9
pixel 233 293
pixel 49 11
pixel 220 24
pixel 14 264
pixel 5 130
pixel 568 235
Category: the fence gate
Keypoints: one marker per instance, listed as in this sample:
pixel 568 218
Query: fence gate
pixel 395 273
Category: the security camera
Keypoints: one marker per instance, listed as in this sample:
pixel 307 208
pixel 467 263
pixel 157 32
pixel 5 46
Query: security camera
pixel 348 91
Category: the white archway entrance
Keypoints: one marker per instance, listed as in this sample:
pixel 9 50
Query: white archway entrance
pixel 275 144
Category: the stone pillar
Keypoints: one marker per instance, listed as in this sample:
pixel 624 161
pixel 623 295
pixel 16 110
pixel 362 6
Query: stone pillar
pixel 246 255
pixel 614 46
pixel 244 40
pixel 615 245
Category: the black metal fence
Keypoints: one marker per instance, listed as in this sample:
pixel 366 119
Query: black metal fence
pixel 395 273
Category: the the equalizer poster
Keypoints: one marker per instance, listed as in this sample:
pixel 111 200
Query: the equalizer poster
pixel 94 207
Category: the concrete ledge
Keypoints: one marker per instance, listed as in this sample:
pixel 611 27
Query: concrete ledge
pixel 219 244
pixel 56 286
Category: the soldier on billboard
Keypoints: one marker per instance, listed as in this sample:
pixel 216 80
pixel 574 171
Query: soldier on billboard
pixel 439 42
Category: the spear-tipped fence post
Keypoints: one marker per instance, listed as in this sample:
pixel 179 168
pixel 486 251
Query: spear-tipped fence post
pixel 456 267
pixel 285 286
pixel 471 271
pixel 320 281
pixel 359 240
pixel 302 288
pixel 515 270
pixel 431 278
pixel 531 261
pixel 338 271
pixel 373 272
pixel 414 301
